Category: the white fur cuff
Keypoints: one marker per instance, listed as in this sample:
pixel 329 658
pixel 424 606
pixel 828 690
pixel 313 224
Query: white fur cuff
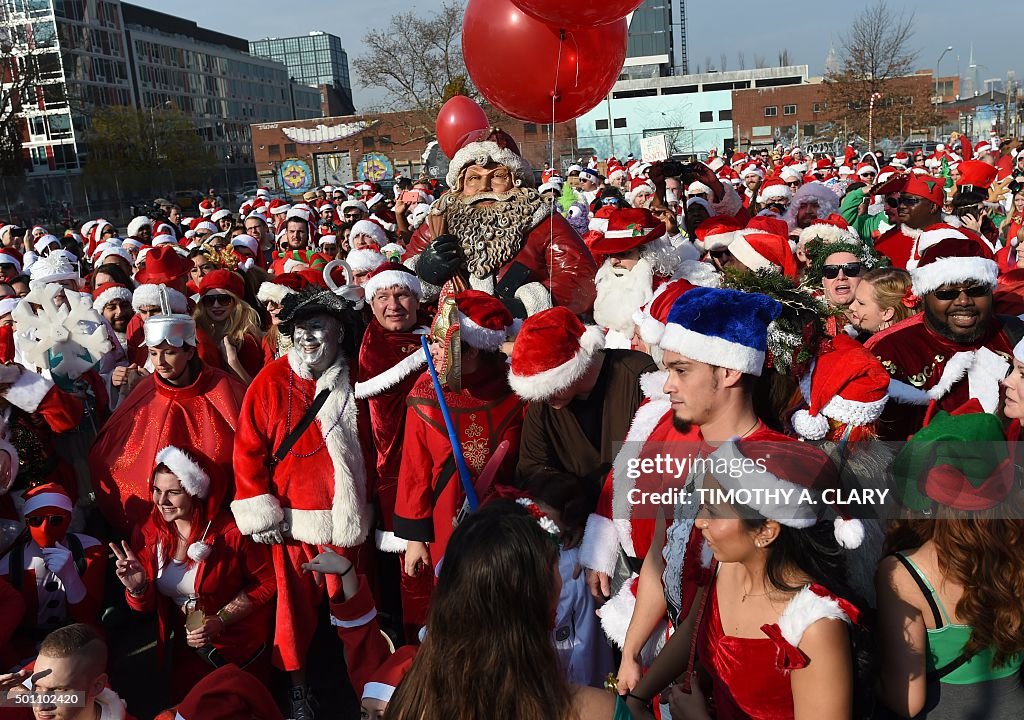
pixel 600 547
pixel 28 391
pixel 257 514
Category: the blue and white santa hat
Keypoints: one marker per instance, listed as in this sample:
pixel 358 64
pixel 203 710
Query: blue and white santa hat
pixel 726 328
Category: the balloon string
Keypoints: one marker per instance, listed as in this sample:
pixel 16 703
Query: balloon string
pixel 551 164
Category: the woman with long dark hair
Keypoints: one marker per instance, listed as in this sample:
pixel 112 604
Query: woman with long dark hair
pixel 771 624
pixel 488 650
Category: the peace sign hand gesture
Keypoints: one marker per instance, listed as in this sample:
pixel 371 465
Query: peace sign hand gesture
pixel 128 568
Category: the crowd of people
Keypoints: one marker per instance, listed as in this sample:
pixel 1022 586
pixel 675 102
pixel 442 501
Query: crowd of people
pixel 420 413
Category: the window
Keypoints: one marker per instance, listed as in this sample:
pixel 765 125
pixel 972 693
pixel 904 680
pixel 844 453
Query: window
pixel 289 148
pixel 707 116
pixel 275 150
pixel 601 125
pixel 725 114
pixel 809 129
pixel 771 111
pixel 620 122
pixel 530 128
pixel 368 143
pixel 820 107
pixel 384 140
pixel 789 109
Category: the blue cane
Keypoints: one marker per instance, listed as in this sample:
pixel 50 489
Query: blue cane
pixel 460 460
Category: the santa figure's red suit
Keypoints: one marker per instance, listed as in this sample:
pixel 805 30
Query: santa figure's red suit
pixel 927 367
pixel 532 256
pixel 485 413
pixel 201 416
pixel 318 494
pixel 60 575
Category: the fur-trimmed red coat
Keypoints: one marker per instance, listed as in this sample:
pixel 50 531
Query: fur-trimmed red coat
pixel 321 489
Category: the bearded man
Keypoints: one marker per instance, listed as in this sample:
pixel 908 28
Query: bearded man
pixel 300 474
pixel 638 259
pixel 496 233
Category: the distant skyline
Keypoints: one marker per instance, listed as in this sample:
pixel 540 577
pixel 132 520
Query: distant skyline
pixel 989 24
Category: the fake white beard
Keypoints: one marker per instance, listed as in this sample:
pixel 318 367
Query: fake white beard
pixel 619 296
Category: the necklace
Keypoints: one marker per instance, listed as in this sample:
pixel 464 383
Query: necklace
pixel 757 421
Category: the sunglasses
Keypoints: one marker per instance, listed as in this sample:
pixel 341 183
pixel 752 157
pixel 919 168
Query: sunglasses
pixel 974 291
pixel 609 201
pixel 904 200
pixel 720 255
pixel 223 300
pixel 868 174
pixel 51 520
pixel 848 269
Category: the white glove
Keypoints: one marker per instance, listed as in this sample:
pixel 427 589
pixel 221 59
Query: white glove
pixel 269 537
pixel 59 561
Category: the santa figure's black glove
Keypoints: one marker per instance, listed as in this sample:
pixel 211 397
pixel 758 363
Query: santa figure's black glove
pixel 440 261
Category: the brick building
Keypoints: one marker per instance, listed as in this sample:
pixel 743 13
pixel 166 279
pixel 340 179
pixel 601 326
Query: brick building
pixel 293 156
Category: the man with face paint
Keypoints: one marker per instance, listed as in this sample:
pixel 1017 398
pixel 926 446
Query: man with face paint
pixel 300 475
pixel 59 574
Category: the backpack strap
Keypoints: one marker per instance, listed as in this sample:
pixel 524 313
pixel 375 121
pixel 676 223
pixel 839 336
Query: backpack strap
pixel 922 586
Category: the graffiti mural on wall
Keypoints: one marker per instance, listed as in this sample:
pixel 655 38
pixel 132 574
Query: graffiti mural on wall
pixel 376 167
pixel 296 177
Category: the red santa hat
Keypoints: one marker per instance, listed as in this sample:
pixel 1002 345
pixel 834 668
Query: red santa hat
pixel 225 280
pixel 984 148
pixel 768 224
pixel 553 350
pixel 364 260
pixel 752 168
pixel 370 229
pixel 228 693
pixel 206 208
pixel 248 242
pixel 483 147
pixel 628 228
pixel 383 681
pixel 194 480
pixel 638 183
pixel 953 261
pixel 833 229
pixel 923 186
pixel 109 292
pixel 615 172
pixel 866 169
pixel 280 286
pixel 279 207
pixel 654 316
pixel 148 295
pixel 164 265
pixel 764 251
pixel 716 233
pixel 774 188
pixel 789 466
pixel 847 384
pixel 45 497
pixel 976 175
pixel 886 173
pixel 901 158
pixel 389 275
pixel 10 256
pixel 484 321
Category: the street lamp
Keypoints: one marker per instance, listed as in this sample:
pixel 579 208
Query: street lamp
pixel 938 98
pixel 227 159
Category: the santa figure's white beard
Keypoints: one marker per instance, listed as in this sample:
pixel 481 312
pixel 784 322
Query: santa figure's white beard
pixel 621 293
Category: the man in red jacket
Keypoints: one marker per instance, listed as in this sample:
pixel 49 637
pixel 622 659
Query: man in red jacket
pixel 301 480
pixel 497 234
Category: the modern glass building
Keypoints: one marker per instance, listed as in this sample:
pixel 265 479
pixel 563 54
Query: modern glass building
pixel 314 59
pixel 657 40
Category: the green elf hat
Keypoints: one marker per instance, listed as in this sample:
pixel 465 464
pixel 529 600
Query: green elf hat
pixel 960 459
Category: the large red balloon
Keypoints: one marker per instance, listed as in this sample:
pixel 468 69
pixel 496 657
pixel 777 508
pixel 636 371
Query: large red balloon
pixel 588 13
pixel 520 64
pixel 458 117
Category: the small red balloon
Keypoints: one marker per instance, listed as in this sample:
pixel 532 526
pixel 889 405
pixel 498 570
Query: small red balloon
pixel 536 72
pixel 559 13
pixel 457 118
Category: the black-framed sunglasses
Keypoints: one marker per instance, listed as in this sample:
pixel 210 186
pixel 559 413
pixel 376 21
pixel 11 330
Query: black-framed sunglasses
pixel 222 300
pixel 720 255
pixel 974 291
pixel 904 200
pixel 848 269
pixel 51 520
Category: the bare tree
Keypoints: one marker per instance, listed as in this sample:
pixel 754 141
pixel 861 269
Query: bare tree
pixel 760 62
pixel 723 62
pixel 784 57
pixel 876 60
pixel 743 60
pixel 418 61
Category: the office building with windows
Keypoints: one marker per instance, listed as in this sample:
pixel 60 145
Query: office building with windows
pixel 657 40
pixel 317 59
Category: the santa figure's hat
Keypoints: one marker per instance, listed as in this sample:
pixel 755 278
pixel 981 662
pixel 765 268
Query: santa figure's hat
pixel 788 465
pixel 279 286
pixel 364 260
pixel 484 321
pixel 726 328
pixel 487 146
pixel 847 384
pixel 628 228
pixel 228 693
pixel 383 681
pixel 552 351
pixel 717 233
pixel 389 275
pixel 764 251
pixel 774 189
pixel 109 292
pixel 953 261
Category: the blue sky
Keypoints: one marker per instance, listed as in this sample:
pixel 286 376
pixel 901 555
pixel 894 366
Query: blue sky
pixel 996 27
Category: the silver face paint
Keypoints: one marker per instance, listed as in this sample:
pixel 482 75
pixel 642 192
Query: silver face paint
pixel 317 339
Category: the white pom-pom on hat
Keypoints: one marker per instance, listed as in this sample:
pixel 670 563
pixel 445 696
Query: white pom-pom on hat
pixel 812 427
pixel 849 533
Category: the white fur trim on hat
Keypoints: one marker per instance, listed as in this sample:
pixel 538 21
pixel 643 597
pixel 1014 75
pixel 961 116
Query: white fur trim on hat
pixel 137 224
pixel 192 477
pixel 480 337
pixel 712 350
pixel 393 278
pixel 775 191
pixel 246 241
pixel 110 295
pixel 271 291
pixel 364 260
pixel 951 271
pixel 545 384
pixel 371 230
pixel 745 253
pixel 150 295
pixel 480 153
